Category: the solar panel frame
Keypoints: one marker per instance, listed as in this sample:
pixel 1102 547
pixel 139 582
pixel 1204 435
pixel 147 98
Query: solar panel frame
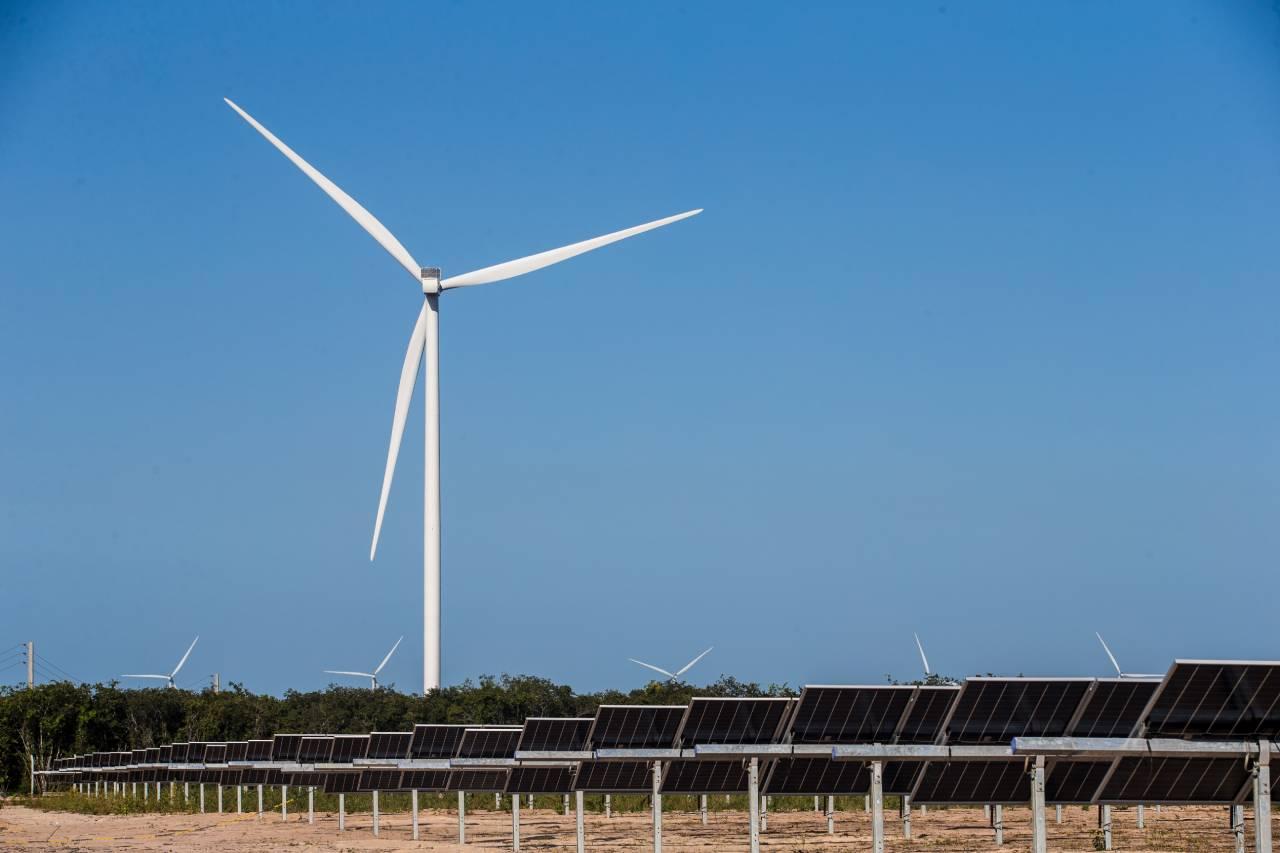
pixel 284 747
pixel 380 780
pixel 215 753
pixel 315 749
pixel 614 777
pixel 972 782
pixel 1189 781
pixel 830 713
pixel 471 779
pixel 1074 782
pixel 1115 707
pixel 236 751
pixel 489 742
pixel 348 748
pixel 1229 699
pixel 258 750
pixel 541 780
pixel 727 776
pixel 425 780
pixel 996 709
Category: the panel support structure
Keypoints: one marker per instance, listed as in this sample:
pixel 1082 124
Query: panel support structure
pixel 904 809
pixel 1104 824
pixel 1237 826
pixel 753 802
pixel 657 807
pixel 831 815
pixel 377 817
pixel 413 806
pixel 1262 799
pixel 462 817
pixel 1039 832
pixel 342 812
pixel 581 830
pixel 997 822
pixel 515 823
pixel 877 807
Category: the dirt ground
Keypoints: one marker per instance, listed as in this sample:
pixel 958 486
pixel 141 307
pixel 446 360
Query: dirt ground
pixel 1175 830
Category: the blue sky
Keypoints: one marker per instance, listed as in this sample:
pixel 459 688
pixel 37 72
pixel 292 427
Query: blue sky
pixel 977 336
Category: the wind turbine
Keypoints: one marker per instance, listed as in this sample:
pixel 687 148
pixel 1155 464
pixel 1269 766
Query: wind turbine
pixel 1116 663
pixel 372 676
pixel 672 676
pixel 928 673
pixel 170 676
pixel 425 339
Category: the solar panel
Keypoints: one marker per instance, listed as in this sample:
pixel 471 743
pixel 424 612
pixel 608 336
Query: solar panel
pixel 477 780
pixel 307 779
pixel 285 747
pixel 230 777
pixel 1114 708
pixel 342 783
pixel 614 777
pixel 1209 699
pixel 489 742
pixel 1189 780
pixel 315 748
pixel 389 745
pixel 139 756
pixel 153 755
pixel 704 777
pixel 195 753
pixel 816 776
pixel 379 780
pixel 1074 781
pixel 733 721
pixel 636 726
pixel 927 713
pixel 236 751
pixel 849 714
pixel 258 750
pixel 996 710
pixel 973 782
pixel 540 780
pixel 347 748
pixel 215 753
pixel 425 780
pixel 558 734
pixel 433 740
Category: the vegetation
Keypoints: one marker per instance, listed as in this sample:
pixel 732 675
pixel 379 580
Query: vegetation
pixel 61 719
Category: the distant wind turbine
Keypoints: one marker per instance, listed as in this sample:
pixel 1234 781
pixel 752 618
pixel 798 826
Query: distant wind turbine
pixel 372 676
pixel 673 676
pixel 170 676
pixel 425 340
pixel 1116 663
pixel 928 673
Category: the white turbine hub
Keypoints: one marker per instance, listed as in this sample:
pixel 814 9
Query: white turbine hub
pixel 430 280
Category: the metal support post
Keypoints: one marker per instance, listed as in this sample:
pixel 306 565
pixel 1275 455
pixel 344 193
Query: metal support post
pixel 997 822
pixel 577 808
pixel 1236 814
pixel 377 817
pixel 462 817
pixel 753 802
pixel 413 807
pixel 201 798
pixel 831 815
pixel 342 812
pixel 877 807
pixel 284 802
pixel 657 807
pixel 1262 799
pixel 515 823
pixel 311 804
pixel 904 808
pixel 1104 823
pixel 1039 832
pixel 702 808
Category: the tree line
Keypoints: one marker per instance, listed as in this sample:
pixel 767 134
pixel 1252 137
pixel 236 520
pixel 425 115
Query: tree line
pixel 61 719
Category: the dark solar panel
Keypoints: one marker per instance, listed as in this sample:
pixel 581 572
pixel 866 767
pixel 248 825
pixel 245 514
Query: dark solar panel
pixel 389 745
pixel 433 740
pixel 704 777
pixel 308 779
pixel 927 713
pixel 347 748
pixel 899 777
pixel 236 751
pixel 229 777
pixel 153 755
pixel 733 721
pixel 477 780
pixel 258 750
pixel 215 753
pixel 342 783
pixel 636 726
pixel 1074 781
pixel 425 780
pixel 614 776
pixel 974 782
pixel 1218 699
pixel 540 780
pixel 139 756
pixel 1115 707
pixel 849 714
pixel 489 743
pixel 195 753
pixel 996 710
pixel 1190 780
pixel 560 734
pixel 379 780
pixel 285 747
pixel 813 776
pixel 315 748
pixel 252 776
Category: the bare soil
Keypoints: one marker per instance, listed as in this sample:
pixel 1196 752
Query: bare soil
pixel 1175 830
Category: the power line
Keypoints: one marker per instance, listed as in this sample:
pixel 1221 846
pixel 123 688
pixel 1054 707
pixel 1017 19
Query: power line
pixel 41 659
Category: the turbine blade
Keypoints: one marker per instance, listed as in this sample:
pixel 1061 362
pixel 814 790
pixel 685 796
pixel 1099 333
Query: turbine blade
pixel 685 668
pixel 520 266
pixel 923 659
pixel 344 672
pixel 367 220
pixel 654 668
pixel 408 376
pixel 1107 649
pixel 135 675
pixel 184 657
pixel 389 654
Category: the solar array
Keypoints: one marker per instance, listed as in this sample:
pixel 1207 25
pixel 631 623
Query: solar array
pixel 1201 734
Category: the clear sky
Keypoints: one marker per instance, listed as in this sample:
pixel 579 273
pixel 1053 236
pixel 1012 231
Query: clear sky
pixel 977 337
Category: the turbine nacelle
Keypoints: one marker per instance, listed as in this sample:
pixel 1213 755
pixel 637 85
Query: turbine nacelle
pixel 430 280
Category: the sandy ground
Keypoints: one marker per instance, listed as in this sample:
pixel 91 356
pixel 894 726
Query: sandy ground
pixel 1175 830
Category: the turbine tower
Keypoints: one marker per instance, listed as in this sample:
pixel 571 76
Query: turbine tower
pixel 673 676
pixel 372 676
pixel 425 340
pixel 170 676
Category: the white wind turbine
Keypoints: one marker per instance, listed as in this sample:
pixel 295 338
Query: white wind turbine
pixel 170 676
pixel 928 673
pixel 1116 663
pixel 372 676
pixel 425 339
pixel 673 676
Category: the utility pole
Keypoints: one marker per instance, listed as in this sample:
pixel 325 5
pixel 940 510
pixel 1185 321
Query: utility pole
pixel 31 664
